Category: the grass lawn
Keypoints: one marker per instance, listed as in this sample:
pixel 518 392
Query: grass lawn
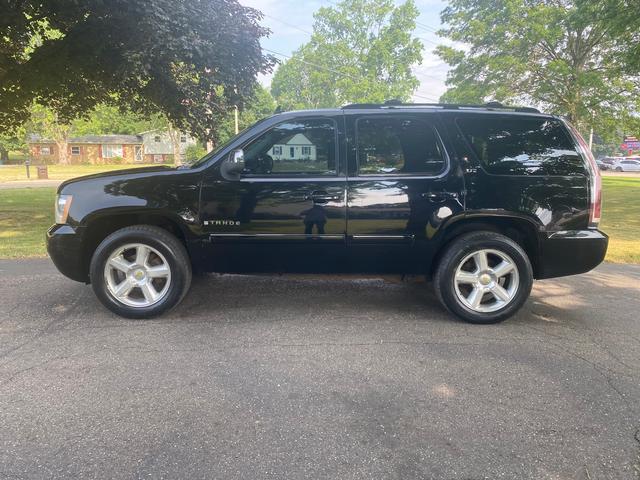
pixel 621 218
pixel 26 213
pixel 60 172
pixel 25 216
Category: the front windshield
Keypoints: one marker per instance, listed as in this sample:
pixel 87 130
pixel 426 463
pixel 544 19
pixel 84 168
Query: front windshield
pixel 215 151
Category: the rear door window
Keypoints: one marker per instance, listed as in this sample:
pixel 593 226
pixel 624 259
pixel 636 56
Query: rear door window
pixel 513 145
pixel 398 145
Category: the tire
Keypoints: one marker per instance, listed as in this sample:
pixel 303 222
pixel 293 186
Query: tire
pixel 153 262
pixel 618 169
pixel 458 268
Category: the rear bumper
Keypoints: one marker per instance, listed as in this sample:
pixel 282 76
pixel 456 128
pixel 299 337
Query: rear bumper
pixel 571 252
pixel 65 247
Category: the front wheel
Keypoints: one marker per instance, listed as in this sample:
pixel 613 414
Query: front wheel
pixel 483 277
pixel 140 271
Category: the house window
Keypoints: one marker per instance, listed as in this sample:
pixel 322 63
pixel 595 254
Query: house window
pixel 45 150
pixel 156 139
pixel 183 139
pixel 279 151
pixel 112 151
pixel 75 150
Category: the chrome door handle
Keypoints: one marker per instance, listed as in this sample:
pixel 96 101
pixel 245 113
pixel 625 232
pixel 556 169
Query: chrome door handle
pixel 439 195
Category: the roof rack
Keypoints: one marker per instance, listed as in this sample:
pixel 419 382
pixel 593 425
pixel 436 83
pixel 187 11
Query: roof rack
pixel 448 106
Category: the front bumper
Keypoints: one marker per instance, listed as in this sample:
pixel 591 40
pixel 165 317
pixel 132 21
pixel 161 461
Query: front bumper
pixel 66 249
pixel 570 252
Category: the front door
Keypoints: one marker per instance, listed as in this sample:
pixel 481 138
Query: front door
pixel 402 187
pixel 287 211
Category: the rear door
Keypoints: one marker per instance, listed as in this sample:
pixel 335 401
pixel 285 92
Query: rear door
pixel 287 211
pixel 402 187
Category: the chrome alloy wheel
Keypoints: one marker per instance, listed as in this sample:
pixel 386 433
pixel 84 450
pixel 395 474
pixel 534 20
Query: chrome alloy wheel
pixel 137 275
pixel 486 280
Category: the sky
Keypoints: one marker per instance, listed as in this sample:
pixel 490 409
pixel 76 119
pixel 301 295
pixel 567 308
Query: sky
pixel 290 20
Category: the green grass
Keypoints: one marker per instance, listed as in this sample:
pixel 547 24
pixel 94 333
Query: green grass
pixel 25 216
pixel 60 172
pixel 26 213
pixel 621 218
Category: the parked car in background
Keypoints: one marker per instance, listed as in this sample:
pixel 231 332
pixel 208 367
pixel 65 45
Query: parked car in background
pixel 630 164
pixel 602 165
pixel 610 162
pixel 481 199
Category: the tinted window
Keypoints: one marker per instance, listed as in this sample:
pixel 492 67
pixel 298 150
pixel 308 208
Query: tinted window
pixel 522 146
pixel 295 147
pixel 398 145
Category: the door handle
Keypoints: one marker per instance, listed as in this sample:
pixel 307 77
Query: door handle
pixel 320 196
pixel 439 195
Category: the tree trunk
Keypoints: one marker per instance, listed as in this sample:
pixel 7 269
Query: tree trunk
pixel 63 151
pixel 174 135
pixel 4 155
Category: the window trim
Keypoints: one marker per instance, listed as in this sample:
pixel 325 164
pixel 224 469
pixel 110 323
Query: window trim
pixel 480 163
pixel 400 176
pixel 294 176
pixel 111 145
pixel 79 150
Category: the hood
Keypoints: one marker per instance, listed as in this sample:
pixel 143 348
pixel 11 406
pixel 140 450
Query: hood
pixel 118 173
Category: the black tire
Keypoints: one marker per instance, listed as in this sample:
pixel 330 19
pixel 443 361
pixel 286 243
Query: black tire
pixel 618 169
pixel 157 238
pixel 445 284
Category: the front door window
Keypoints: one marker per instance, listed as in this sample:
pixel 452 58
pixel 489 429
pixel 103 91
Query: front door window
pixel 294 148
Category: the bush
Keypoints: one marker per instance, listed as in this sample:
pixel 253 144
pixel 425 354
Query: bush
pixel 194 152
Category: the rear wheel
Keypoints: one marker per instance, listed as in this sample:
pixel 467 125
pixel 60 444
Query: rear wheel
pixel 140 271
pixel 618 169
pixel 483 277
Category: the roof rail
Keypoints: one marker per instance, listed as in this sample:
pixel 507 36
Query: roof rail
pixel 448 106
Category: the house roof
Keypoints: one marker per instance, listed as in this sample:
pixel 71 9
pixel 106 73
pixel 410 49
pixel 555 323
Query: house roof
pixel 94 139
pixel 108 139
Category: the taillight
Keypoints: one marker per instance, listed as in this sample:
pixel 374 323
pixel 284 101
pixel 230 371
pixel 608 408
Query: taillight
pixel 595 180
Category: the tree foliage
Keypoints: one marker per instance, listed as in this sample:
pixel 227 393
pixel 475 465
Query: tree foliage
pixel 190 60
pixel 260 105
pixel 552 53
pixel 360 51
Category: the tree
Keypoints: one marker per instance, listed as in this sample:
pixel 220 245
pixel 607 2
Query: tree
pixel 190 60
pixel 260 105
pixel 109 119
pixel 554 54
pixel 45 123
pixel 360 51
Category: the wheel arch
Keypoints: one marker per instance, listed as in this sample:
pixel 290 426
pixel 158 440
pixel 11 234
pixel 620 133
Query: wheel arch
pixel 99 227
pixel 521 229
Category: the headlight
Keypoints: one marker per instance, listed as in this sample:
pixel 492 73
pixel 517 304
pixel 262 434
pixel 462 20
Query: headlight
pixel 63 202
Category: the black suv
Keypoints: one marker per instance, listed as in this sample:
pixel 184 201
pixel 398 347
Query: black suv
pixel 480 199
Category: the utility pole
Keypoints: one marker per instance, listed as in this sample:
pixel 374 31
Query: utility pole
pixel 235 115
pixel 591 134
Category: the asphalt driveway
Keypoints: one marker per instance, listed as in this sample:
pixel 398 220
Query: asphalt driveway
pixel 312 377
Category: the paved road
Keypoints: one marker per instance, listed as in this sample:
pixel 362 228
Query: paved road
pixel 13 184
pixel 305 377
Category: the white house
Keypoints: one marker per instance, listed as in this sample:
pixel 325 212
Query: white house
pixel 158 147
pixel 296 147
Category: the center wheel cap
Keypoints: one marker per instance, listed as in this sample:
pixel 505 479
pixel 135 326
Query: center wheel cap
pixel 138 275
pixel 485 279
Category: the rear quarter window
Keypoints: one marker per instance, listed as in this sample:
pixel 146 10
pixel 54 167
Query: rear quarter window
pixel 513 145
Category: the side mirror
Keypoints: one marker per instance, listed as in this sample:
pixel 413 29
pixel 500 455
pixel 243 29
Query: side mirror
pixel 233 165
